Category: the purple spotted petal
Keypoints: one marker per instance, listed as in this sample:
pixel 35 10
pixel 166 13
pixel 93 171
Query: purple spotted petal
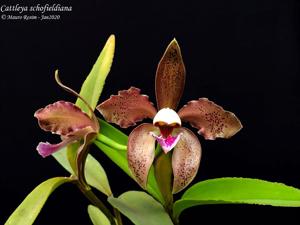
pixel 127 108
pixel 167 144
pixel 185 159
pixel 170 77
pixel 63 118
pixel 140 152
pixel 45 148
pixel 211 119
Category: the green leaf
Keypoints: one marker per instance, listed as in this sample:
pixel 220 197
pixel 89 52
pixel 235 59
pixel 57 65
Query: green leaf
pixel 120 157
pixel 94 172
pixel 31 206
pixel 93 85
pixel 62 159
pixel 112 132
pixel 97 217
pixel 72 154
pixel 238 191
pixel 96 176
pixel 141 208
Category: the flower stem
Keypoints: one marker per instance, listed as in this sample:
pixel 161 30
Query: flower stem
pixel 89 194
pixel 106 140
pixel 175 221
pixel 118 216
pixel 83 185
pixel 82 154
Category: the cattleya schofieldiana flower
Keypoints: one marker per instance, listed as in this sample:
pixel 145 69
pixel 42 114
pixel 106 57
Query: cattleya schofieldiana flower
pixel 68 121
pixel 129 107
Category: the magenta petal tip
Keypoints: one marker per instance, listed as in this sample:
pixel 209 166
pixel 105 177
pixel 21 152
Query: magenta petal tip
pixel 45 149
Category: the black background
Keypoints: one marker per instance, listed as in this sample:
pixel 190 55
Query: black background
pixel 244 55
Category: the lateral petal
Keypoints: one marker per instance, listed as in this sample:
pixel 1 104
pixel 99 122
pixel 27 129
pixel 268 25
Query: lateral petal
pixel 140 152
pixel 185 159
pixel 211 119
pixel 63 118
pixel 170 77
pixel 127 108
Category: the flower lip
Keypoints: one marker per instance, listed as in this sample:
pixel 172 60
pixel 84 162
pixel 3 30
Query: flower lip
pixel 167 143
pixel 67 120
pixel 166 117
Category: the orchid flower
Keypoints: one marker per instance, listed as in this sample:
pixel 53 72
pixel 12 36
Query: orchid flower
pixel 68 121
pixel 129 107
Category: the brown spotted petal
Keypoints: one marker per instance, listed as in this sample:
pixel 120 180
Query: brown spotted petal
pixel 185 160
pixel 127 108
pixel 211 119
pixel 140 153
pixel 63 118
pixel 170 77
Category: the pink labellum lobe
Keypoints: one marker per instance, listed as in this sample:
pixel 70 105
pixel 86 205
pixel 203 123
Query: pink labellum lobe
pixel 168 143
